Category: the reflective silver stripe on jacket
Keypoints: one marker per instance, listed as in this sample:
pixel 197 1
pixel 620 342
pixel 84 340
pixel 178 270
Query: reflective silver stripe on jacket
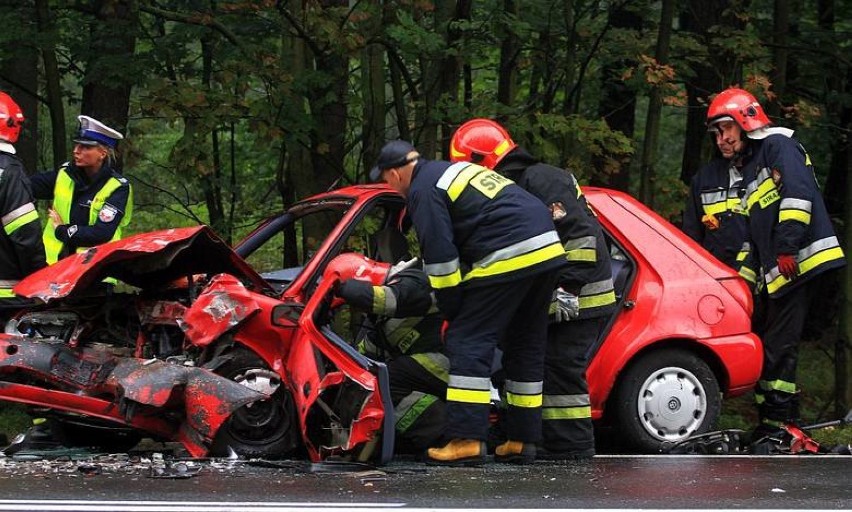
pixel 8 283
pixel 602 286
pixel 823 244
pixel 475 383
pixel 524 388
pixel 17 212
pixel 450 174
pixel 565 400
pixel 796 204
pixel 442 269
pixel 518 249
pixel 390 301
pixel 583 242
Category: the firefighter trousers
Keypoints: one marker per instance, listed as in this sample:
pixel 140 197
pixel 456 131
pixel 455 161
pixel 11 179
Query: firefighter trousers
pixel 515 313
pixel 566 409
pixel 776 394
pixel 418 384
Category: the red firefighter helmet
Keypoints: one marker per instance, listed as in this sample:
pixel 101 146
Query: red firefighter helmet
pixel 351 265
pixel 481 141
pixel 11 118
pixel 737 105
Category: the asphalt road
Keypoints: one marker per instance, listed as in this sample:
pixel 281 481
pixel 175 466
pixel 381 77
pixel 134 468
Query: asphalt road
pixel 673 482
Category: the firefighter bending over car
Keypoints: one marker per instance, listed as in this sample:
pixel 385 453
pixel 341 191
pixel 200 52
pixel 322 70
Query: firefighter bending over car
pixel 21 248
pixel 584 299
pixel 789 242
pixel 91 201
pixel 492 255
pixel 403 330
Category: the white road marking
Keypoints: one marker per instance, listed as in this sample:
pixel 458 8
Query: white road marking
pixel 244 506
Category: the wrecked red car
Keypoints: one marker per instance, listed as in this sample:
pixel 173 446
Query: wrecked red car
pixel 244 350
pixel 201 350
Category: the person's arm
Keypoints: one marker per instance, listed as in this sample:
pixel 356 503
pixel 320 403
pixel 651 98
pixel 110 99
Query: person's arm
pixel 20 221
pixel 42 184
pixel 574 221
pixel 406 294
pixel 797 187
pixel 434 228
pixel 108 220
pixel 692 212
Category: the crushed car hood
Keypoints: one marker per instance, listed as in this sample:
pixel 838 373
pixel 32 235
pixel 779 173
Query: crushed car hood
pixel 146 260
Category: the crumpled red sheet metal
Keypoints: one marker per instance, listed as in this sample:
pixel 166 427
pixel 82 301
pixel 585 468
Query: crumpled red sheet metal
pixel 185 403
pixel 143 260
pixel 223 305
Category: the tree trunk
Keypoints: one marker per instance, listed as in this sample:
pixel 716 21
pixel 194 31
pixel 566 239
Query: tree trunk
pixel 655 107
pixel 45 23
pixel 20 81
pixel 373 87
pixel 617 105
pixel 780 54
pixel 510 47
pixel 107 86
pixel 717 73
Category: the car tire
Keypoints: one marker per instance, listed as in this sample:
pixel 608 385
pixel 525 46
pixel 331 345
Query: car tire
pixel 665 397
pixel 267 429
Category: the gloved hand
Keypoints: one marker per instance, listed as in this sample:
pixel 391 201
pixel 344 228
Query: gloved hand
pixel 787 266
pixel 355 291
pixel 399 267
pixel 567 305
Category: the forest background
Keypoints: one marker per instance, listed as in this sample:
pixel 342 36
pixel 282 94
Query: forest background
pixel 235 109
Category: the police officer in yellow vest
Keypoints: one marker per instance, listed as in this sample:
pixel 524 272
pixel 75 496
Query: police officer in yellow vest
pixel 92 202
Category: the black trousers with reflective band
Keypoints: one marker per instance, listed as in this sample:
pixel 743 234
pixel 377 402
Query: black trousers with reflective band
pixel 422 427
pixel 781 332
pixel 567 426
pixel 513 314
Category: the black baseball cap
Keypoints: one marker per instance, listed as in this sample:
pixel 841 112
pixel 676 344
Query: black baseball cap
pixel 393 154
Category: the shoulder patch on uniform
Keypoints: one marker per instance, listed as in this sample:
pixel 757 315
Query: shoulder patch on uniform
pixel 107 213
pixel 557 211
pixel 776 176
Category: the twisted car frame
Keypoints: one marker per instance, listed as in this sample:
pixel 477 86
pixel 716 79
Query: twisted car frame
pixel 245 351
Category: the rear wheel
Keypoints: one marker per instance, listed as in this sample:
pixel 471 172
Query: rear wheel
pixel 665 397
pixel 264 429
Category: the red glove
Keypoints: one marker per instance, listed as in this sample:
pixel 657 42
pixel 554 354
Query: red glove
pixel 444 326
pixel 787 266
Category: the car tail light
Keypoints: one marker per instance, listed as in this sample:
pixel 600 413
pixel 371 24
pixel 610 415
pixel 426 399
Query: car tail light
pixel 740 291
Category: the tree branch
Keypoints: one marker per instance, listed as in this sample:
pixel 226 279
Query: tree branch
pixel 201 19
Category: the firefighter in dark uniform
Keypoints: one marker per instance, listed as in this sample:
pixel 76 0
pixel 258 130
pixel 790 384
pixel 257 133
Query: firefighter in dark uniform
pixel 585 293
pixel 404 332
pixel 790 242
pixel 492 254
pixel 21 249
pixel 714 216
pixel 91 201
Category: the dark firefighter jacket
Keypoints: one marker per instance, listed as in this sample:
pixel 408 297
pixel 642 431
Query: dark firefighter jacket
pixel 93 212
pixel 410 323
pixel 588 271
pixel 477 227
pixel 21 249
pixel 714 215
pixel 787 215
